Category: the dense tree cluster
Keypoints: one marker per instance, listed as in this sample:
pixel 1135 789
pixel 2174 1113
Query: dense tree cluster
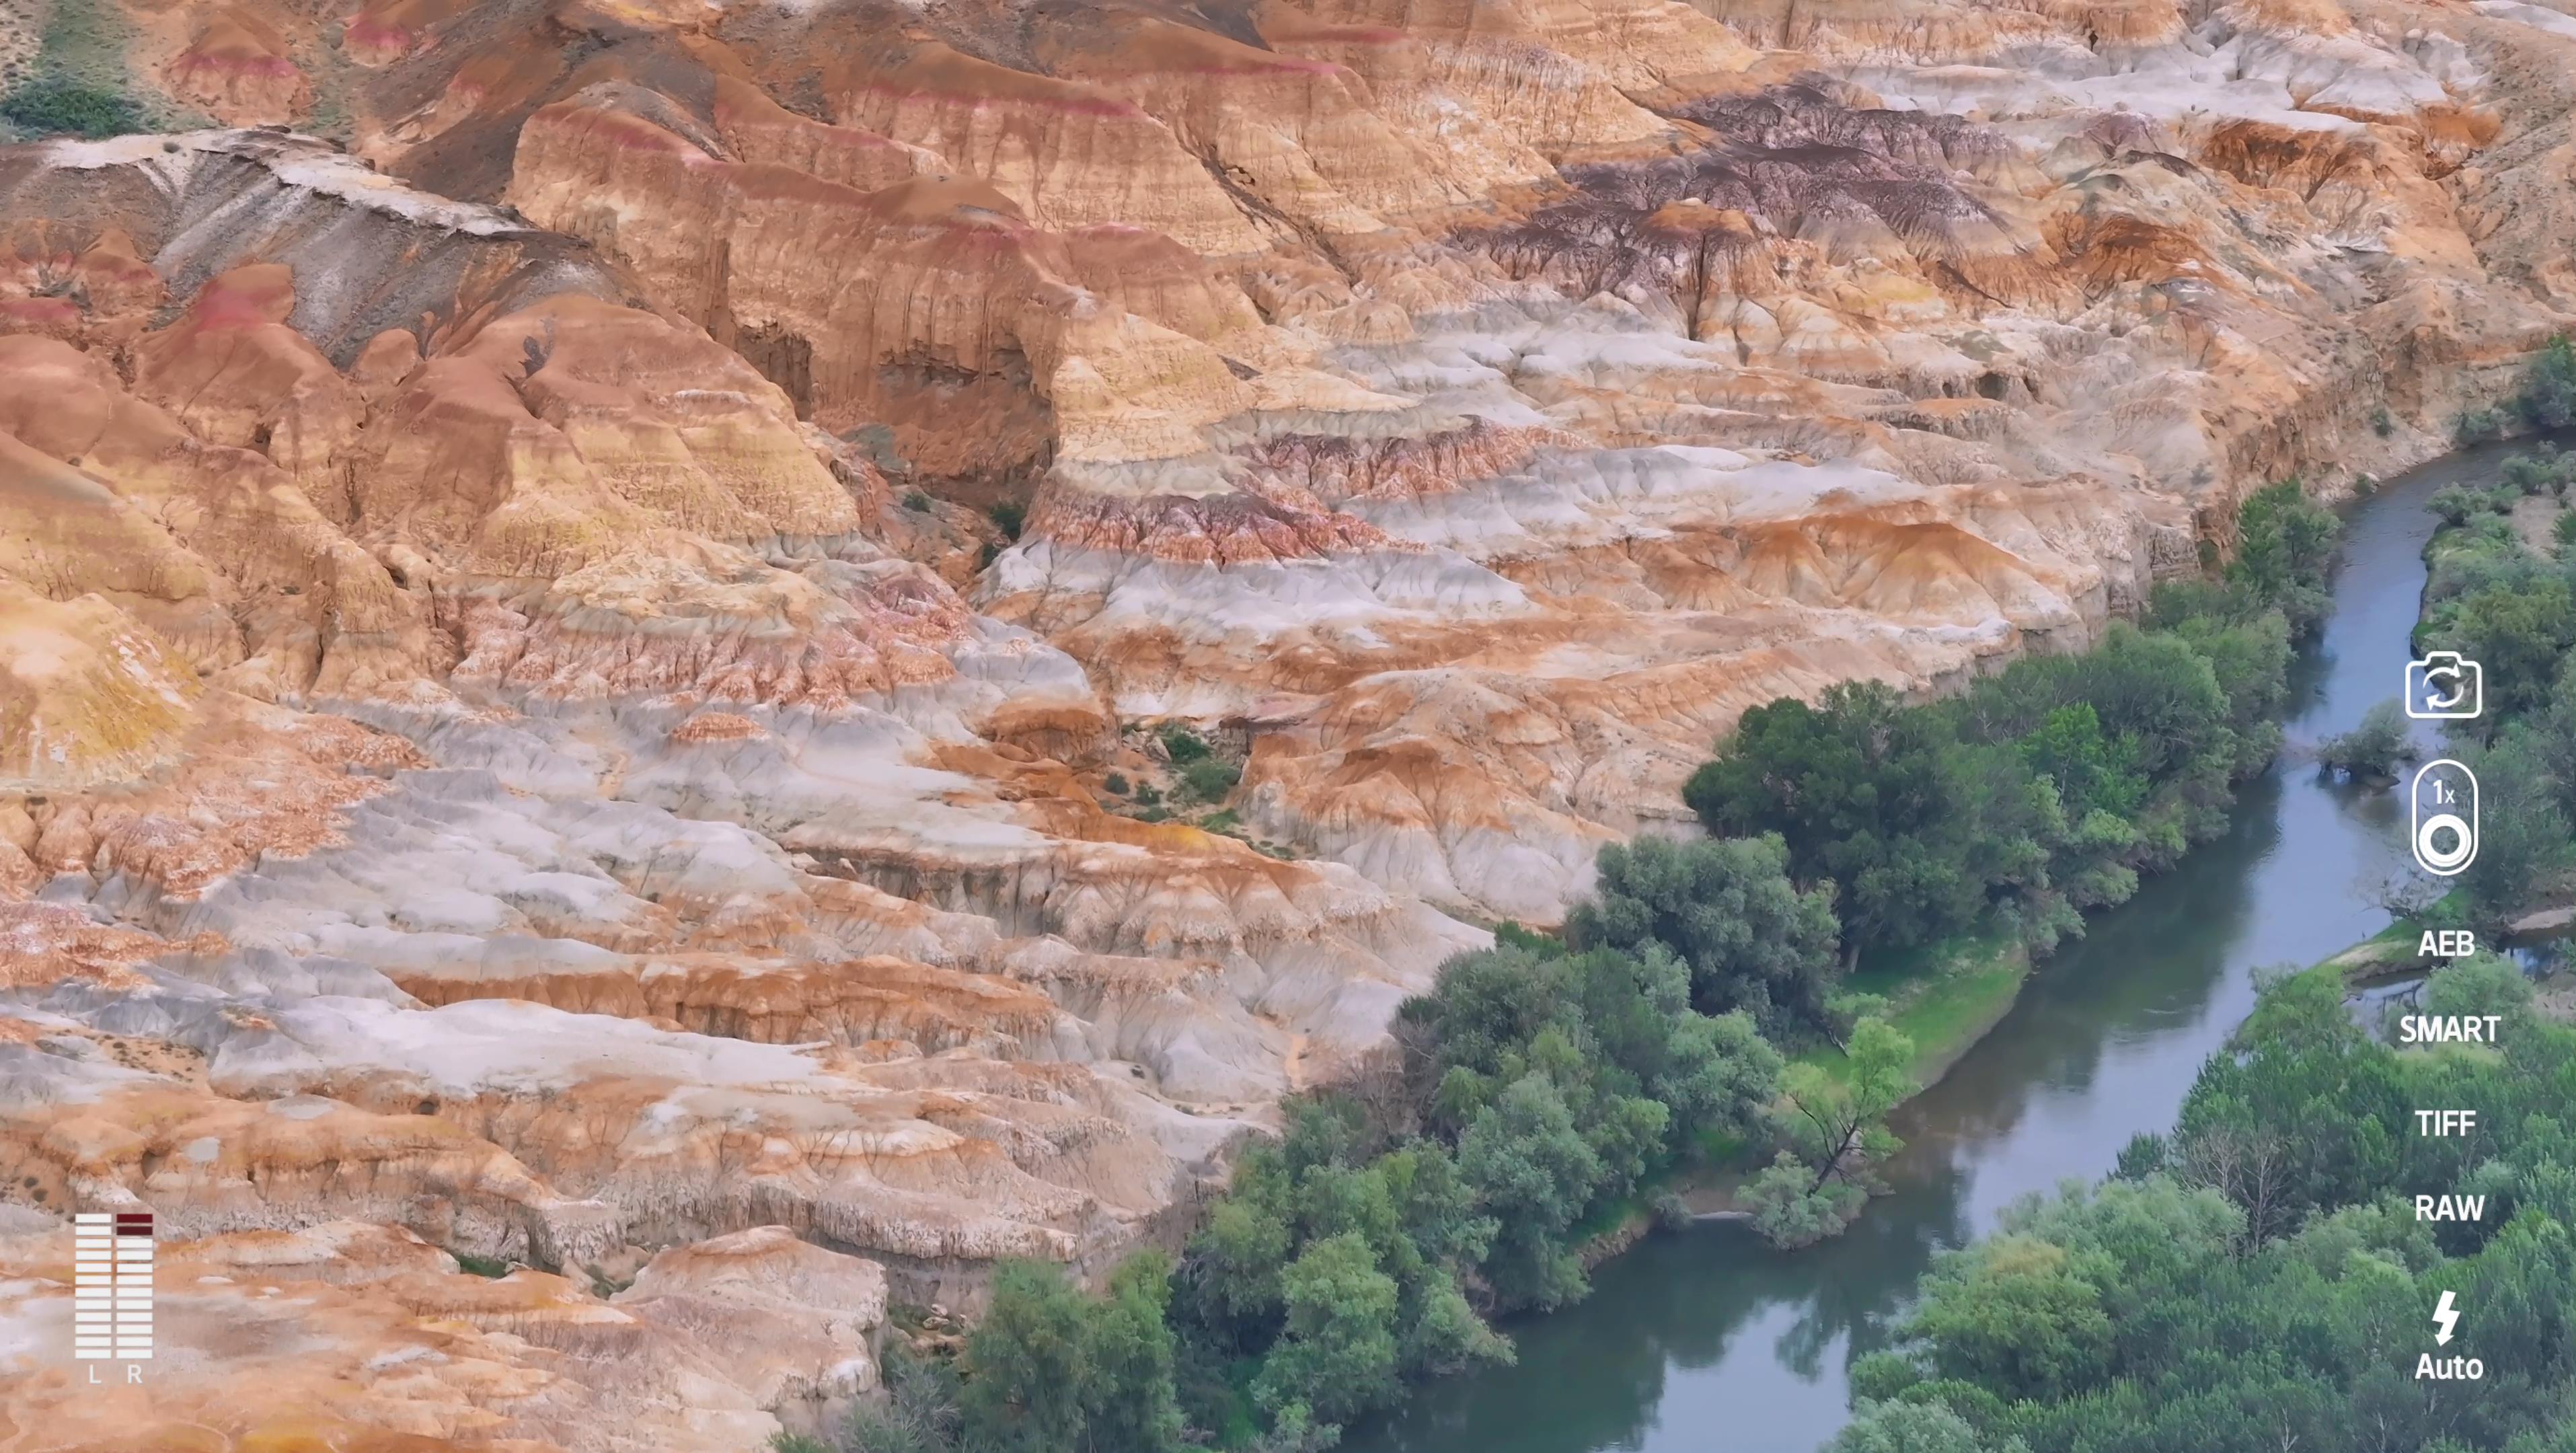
pixel 2045 790
pixel 1543 1084
pixel 2490 597
pixel 1546 1081
pixel 2254 1281
pixel 1753 940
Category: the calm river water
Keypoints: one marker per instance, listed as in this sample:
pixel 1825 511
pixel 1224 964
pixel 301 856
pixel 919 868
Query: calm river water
pixel 1708 1342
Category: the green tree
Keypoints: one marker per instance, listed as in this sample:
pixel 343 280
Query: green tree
pixel 2548 397
pixel 2519 634
pixel 2456 504
pixel 2549 736
pixel 1909 1427
pixel 1715 1072
pixel 2092 772
pixel 1128 1401
pixel 1442 1333
pixel 1338 1353
pixel 1210 778
pixel 1837 1124
pixel 2284 543
pixel 1534 1173
pixel 2373 748
pixel 1436 1205
pixel 1234 1260
pixel 2249 659
pixel 1865 792
pixel 2523 834
pixel 2305 1112
pixel 1181 744
pixel 1726 906
pixel 2544 468
pixel 1029 1364
pixel 2484 983
pixel 1792 1209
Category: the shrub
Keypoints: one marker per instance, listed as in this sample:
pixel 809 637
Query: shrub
pixel 1210 779
pixel 1116 784
pixel 2562 532
pixel 1181 744
pixel 1672 1213
pixel 1007 516
pixel 1791 1209
pixel 2544 468
pixel 2476 426
pixel 2381 423
pixel 2525 473
pixel 54 107
pixel 2372 749
pixel 917 502
pixel 2455 503
pixel 920 1413
pixel 2548 397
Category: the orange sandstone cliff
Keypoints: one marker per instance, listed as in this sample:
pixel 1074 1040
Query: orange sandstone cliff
pixel 587 586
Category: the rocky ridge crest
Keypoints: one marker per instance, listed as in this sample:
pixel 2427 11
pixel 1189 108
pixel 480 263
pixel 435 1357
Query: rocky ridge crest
pixel 571 654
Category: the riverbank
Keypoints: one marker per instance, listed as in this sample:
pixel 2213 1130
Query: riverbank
pixel 1709 1336
pixel 1945 998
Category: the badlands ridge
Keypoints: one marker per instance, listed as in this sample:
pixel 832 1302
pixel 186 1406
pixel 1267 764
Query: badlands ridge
pixel 521 736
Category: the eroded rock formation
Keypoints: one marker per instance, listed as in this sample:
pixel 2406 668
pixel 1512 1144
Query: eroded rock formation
pixel 577 629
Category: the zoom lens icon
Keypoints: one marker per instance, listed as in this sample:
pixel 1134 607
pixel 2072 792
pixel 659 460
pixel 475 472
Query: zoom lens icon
pixel 2444 815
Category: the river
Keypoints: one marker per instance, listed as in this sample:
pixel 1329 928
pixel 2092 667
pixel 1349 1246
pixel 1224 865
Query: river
pixel 1710 1342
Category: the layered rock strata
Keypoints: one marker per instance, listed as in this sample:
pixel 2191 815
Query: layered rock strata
pixel 580 646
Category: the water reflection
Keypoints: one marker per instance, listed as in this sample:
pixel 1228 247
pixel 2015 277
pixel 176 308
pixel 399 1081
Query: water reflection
pixel 1708 1339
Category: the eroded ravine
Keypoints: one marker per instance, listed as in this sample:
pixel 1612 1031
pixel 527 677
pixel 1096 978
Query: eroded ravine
pixel 1711 1335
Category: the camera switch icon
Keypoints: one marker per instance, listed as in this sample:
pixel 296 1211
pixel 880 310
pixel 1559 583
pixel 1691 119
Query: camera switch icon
pixel 2444 818
pixel 2444 686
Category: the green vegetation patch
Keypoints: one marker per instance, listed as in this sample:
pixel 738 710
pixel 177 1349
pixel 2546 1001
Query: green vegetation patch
pixel 2490 597
pixel 1877 920
pixel 2259 1278
pixel 80 86
pixel 2044 792
pixel 1944 998
pixel 49 107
